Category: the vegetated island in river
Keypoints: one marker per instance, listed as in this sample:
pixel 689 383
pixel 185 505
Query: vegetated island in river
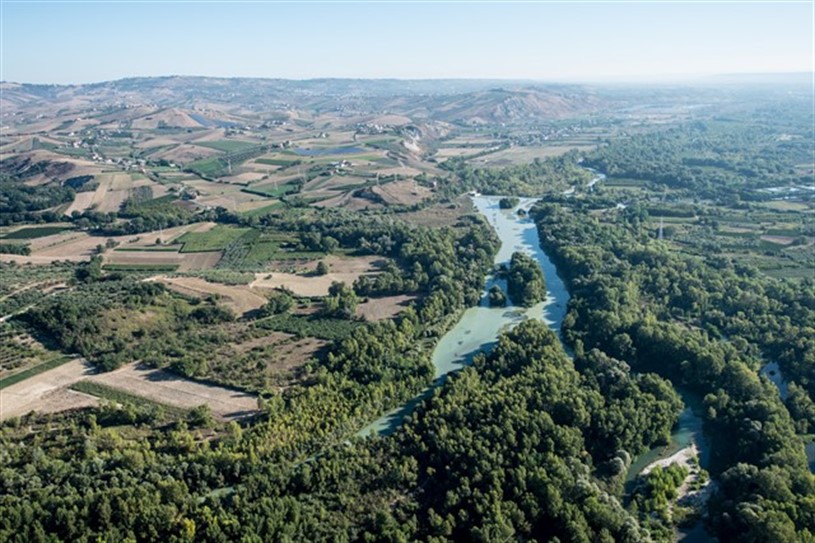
pixel 525 283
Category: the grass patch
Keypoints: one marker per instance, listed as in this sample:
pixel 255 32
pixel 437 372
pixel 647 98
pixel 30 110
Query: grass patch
pixel 209 167
pixel 225 277
pixel 276 161
pixel 35 370
pixel 149 249
pixel 215 239
pixel 227 146
pixel 310 326
pixel 35 232
pixel 272 191
pixel 120 396
pixel 141 267
pixel 624 182
pixel 261 211
pixel 792 232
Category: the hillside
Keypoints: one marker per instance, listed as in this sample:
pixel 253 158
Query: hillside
pixel 469 101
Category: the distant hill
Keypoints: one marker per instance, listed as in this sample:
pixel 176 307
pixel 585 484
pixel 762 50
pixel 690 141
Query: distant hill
pixel 467 101
pixel 511 106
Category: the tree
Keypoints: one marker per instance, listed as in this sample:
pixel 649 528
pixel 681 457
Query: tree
pixel 496 296
pixel 341 301
pixel 279 302
pixel 322 268
pixel 508 202
pixel 90 271
pixel 200 416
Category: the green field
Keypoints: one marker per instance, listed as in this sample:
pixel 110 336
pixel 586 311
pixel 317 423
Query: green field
pixel 141 267
pixel 276 161
pixel 214 240
pixel 209 167
pixel 623 182
pixel 310 326
pixel 227 146
pixel 35 232
pixel 149 249
pixel 259 212
pixel 273 191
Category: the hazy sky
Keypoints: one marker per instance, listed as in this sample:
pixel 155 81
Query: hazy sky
pixel 76 42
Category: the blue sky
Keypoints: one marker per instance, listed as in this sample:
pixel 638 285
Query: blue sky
pixel 72 42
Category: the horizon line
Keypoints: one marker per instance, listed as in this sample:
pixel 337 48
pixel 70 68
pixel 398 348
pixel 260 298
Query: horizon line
pixel 566 80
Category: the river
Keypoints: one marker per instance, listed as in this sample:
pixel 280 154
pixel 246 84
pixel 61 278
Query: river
pixel 479 326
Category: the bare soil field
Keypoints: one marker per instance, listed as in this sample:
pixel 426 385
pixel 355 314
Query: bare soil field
pixel 82 201
pixel 227 195
pixel 164 387
pixel 169 117
pixel 199 261
pixel 255 204
pixel 404 171
pixel 786 205
pixel 112 191
pixel 736 229
pixel 231 201
pixel 377 309
pixel 402 192
pixel 336 201
pixel 472 140
pixel 80 246
pixel 42 260
pixel 525 155
pixel 441 214
pixel 244 178
pixel 185 153
pixel 346 270
pixel 149 238
pixel 112 201
pixel 348 201
pixel 294 354
pixel 144 257
pixel 46 392
pixel 450 152
pixel 395 120
pixel 239 298
pixel 158 141
pixel 70 245
pixel 779 240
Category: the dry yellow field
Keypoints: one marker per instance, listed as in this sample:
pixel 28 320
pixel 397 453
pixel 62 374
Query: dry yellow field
pixel 345 270
pixel 450 152
pixel 80 246
pixel 406 192
pixel 238 298
pixel 47 392
pixel 377 309
pixel 167 388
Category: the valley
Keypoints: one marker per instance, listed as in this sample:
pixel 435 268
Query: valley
pixel 379 310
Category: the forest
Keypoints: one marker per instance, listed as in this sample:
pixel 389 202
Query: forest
pixel 665 313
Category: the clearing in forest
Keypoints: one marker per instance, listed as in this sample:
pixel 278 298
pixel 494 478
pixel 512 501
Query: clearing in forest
pixel 345 270
pixel 170 389
pixel 239 298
